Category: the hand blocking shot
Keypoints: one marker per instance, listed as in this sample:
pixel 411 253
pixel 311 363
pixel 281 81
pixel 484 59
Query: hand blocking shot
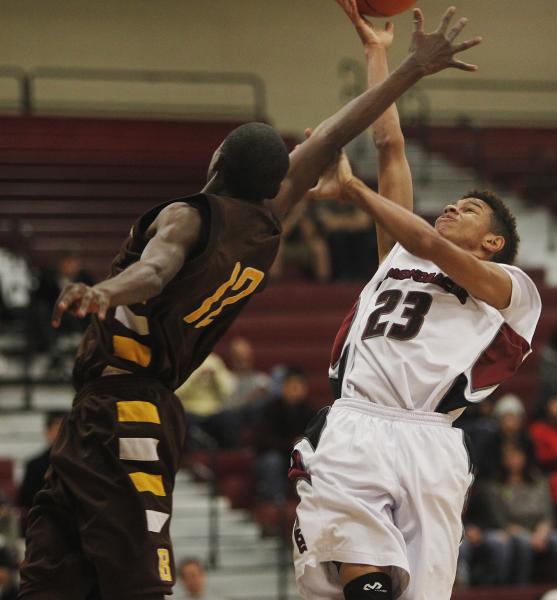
pixel 382 475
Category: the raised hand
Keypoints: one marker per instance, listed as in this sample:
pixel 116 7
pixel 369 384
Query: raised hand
pixel 436 51
pixel 370 35
pixel 333 180
pixel 80 299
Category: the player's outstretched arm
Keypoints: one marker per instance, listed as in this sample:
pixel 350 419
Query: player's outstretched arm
pixel 482 279
pixel 395 178
pixel 173 234
pixel 429 54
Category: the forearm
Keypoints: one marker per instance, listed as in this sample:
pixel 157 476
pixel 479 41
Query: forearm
pixel 386 129
pixel 138 283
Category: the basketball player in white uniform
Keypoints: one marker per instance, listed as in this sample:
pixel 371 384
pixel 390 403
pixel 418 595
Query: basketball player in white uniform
pixel 383 476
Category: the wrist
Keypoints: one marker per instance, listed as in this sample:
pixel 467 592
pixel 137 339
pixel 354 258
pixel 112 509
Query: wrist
pixel 372 49
pixel 103 289
pixel 412 68
pixel 350 187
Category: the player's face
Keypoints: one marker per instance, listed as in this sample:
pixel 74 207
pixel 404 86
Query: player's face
pixel 467 222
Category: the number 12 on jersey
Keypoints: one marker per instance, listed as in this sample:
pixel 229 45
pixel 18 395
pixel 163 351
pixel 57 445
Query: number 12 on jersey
pixel 417 305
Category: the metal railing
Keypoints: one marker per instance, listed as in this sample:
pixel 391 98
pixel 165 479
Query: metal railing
pixel 417 103
pixel 29 81
pixel 209 473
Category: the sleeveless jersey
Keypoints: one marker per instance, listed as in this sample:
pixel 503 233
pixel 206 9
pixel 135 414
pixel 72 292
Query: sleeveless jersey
pixel 416 340
pixel 169 336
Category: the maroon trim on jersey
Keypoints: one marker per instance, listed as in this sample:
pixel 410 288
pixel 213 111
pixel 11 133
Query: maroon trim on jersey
pixel 297 469
pixel 342 334
pixel 500 359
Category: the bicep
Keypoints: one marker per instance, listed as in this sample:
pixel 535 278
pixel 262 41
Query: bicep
pixel 482 279
pixel 395 183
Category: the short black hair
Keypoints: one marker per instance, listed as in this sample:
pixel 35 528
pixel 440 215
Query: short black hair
pixel 503 223
pixel 254 161
pixel 294 371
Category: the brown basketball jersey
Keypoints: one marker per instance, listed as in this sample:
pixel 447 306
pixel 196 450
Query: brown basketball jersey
pixel 170 335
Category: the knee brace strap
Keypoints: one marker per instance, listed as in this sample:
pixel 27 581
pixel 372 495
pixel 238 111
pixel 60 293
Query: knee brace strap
pixel 371 586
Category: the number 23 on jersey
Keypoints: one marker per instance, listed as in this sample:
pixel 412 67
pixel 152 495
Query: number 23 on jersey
pixel 417 305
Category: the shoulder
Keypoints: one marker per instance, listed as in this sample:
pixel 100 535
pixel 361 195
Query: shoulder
pixel 179 222
pixel 178 212
pixel 524 309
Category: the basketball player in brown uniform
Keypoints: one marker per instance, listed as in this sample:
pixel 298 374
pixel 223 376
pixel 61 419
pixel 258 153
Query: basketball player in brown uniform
pixel 99 529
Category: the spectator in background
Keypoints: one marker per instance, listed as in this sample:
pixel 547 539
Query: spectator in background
pixel 351 240
pixel 250 385
pixel 283 420
pixel 249 393
pixel 193 579
pixel 519 503
pixel 8 575
pixel 511 419
pixel 9 537
pixel 49 283
pixel 36 467
pixel 303 246
pixel 203 397
pixel 544 436
pixel 485 554
pixel 482 429
pixel 547 370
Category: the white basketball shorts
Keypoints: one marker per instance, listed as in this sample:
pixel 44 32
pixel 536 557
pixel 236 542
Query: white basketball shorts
pixel 379 486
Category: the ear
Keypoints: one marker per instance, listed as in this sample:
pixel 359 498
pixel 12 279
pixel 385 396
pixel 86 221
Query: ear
pixel 493 243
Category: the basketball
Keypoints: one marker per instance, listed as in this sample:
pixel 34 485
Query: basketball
pixel 384 8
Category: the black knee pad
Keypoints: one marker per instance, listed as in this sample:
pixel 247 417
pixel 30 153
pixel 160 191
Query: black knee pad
pixel 371 586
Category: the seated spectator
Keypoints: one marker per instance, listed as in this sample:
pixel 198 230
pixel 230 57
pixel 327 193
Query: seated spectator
pixel 283 420
pixel 36 467
pixel 49 283
pixel 544 436
pixel 8 575
pixel 249 393
pixel 9 533
pixel 303 247
pixel 15 275
pixel 203 397
pixel 547 371
pixel 511 419
pixel 519 503
pixel 485 554
pixel 351 240
pixel 482 428
pixel 193 580
pixel 250 385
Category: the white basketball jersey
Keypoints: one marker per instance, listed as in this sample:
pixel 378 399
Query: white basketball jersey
pixel 418 341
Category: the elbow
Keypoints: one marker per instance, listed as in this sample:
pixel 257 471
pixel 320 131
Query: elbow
pixel 389 141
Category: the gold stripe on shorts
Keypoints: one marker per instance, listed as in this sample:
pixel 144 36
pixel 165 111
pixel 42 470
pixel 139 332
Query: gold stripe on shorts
pixel 128 349
pixel 145 482
pixel 137 411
